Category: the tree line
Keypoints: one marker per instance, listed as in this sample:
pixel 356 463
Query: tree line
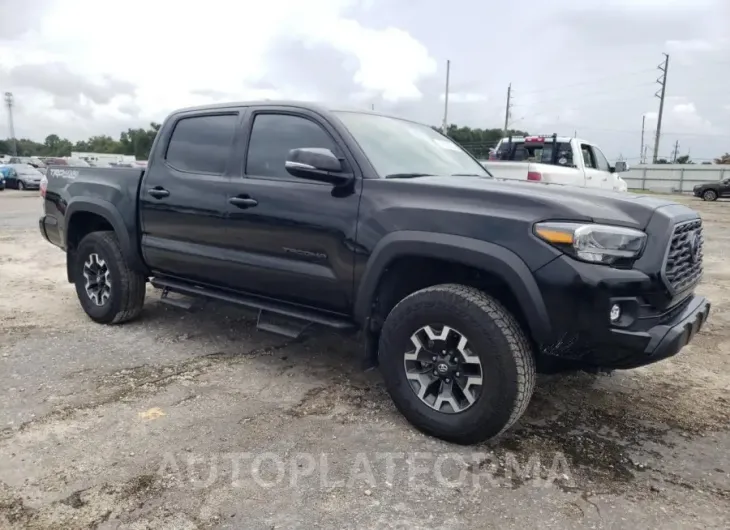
pixel 138 142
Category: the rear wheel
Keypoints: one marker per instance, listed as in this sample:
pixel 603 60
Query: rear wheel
pixel 709 195
pixel 456 363
pixel 109 290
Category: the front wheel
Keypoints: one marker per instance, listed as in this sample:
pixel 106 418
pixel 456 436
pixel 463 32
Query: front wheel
pixel 456 363
pixel 21 186
pixel 110 292
pixel 709 195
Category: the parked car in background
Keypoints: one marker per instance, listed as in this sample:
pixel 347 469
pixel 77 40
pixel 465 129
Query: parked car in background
pixel 24 177
pixel 30 160
pixel 711 191
pixel 555 160
pixel 73 162
pixel 2 182
pixel 6 172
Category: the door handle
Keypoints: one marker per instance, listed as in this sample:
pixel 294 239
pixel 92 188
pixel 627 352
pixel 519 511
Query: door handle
pixel 158 192
pixel 243 202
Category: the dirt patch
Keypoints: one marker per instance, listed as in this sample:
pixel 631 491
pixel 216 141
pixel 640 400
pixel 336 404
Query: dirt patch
pixel 87 508
pixel 344 402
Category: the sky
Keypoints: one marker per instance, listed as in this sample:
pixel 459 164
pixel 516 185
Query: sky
pixel 79 68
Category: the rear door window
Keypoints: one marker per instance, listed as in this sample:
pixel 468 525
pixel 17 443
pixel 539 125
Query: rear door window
pixel 202 144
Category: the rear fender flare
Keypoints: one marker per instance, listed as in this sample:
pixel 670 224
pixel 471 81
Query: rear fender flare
pixel 111 214
pixel 482 255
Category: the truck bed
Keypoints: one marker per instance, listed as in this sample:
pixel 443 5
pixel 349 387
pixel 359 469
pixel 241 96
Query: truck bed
pixel 66 189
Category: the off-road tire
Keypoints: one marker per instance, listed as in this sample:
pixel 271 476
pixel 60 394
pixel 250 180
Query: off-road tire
pixel 508 365
pixel 127 286
pixel 709 195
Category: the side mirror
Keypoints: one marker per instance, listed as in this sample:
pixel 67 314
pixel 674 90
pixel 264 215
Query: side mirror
pixel 316 163
pixel 621 166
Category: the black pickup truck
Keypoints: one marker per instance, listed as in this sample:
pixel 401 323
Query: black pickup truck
pixel 462 286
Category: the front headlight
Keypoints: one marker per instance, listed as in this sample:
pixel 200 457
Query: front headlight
pixel 592 242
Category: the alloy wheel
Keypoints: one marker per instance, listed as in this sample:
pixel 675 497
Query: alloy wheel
pixel 98 283
pixel 442 370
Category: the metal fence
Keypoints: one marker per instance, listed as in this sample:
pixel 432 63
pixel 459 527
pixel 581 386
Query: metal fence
pixel 673 178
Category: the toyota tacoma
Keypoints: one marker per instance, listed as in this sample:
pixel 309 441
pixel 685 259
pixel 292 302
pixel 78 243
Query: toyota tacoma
pixel 461 286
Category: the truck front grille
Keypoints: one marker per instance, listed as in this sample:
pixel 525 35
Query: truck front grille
pixel 683 266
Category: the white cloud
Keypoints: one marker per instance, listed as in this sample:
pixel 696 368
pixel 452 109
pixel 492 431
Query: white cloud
pixel 181 53
pixel 685 117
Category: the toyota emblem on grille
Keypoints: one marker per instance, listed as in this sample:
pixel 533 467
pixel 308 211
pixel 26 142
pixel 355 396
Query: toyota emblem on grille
pixel 694 246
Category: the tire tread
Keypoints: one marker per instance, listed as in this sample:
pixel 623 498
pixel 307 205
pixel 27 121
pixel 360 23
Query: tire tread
pixel 519 346
pixel 133 285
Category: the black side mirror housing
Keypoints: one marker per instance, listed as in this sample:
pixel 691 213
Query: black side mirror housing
pixel 316 163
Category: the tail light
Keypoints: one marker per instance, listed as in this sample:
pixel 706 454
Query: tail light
pixel 44 186
pixel 535 176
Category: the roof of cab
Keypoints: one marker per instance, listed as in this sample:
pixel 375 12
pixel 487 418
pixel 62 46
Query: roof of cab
pixel 308 105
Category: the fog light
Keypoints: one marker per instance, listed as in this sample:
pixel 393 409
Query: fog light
pixel 615 313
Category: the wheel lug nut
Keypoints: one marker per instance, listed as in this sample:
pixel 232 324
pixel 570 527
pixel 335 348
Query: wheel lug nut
pixel 448 380
pixel 457 374
pixel 435 372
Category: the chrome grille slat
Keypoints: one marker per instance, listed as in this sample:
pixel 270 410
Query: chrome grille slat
pixel 680 269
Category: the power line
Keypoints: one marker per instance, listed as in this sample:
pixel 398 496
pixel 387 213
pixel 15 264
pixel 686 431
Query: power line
pixel 600 93
pixel 584 83
pixel 664 133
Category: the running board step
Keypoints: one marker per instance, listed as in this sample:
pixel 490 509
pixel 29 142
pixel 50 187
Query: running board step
pixel 294 312
pixel 281 325
pixel 183 303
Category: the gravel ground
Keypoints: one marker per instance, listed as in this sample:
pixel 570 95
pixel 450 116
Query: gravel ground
pixel 193 419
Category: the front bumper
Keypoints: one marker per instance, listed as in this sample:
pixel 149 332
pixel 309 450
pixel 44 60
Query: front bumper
pixel 653 326
pixel 661 341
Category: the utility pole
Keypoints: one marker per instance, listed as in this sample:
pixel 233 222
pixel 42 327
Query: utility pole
pixel 445 126
pixel 9 102
pixel 641 153
pixel 507 109
pixel 676 152
pixel 660 94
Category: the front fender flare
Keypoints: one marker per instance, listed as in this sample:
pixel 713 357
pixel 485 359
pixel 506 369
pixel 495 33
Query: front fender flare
pixel 482 255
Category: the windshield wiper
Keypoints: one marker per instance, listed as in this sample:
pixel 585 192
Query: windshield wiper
pixel 407 175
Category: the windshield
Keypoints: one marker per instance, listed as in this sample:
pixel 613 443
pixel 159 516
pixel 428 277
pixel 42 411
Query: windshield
pixel 400 147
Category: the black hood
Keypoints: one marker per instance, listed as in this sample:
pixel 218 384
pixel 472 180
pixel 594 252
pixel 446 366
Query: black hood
pixel 554 201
